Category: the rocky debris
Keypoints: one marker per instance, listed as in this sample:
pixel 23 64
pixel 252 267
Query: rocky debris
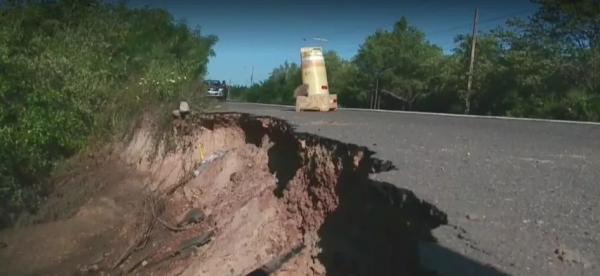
pixel 184 109
pixel 211 158
pixel 194 215
pixel 218 154
pixel 382 166
pixel 567 255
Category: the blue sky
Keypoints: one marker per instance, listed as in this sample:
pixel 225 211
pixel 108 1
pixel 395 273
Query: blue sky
pixel 265 33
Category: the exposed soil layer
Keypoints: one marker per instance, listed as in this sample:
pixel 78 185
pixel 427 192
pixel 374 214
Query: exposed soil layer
pixel 228 194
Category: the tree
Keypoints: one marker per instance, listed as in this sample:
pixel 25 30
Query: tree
pixel 541 67
pixel 400 61
pixel 345 80
pixel 544 66
pixel 277 89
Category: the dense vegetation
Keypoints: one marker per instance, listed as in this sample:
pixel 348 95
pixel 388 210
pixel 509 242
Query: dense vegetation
pixel 547 66
pixel 280 85
pixel 72 70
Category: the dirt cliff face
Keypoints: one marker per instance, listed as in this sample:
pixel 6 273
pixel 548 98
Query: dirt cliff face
pixel 276 202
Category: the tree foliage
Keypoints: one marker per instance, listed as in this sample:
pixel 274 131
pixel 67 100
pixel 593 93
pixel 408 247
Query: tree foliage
pixel 277 89
pixel 547 66
pixel 73 69
pixel 400 61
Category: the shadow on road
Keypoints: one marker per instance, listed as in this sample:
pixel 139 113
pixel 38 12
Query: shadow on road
pixel 448 262
pixel 379 229
pixel 375 228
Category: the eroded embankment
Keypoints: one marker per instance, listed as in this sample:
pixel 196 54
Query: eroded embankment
pixel 264 200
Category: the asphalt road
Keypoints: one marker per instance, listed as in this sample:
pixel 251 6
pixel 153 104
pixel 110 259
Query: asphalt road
pixel 520 189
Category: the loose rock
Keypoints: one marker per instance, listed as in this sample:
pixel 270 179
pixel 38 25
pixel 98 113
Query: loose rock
pixel 176 113
pixel 184 108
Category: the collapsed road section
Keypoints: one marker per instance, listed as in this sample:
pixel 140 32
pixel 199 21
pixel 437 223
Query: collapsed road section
pixel 228 194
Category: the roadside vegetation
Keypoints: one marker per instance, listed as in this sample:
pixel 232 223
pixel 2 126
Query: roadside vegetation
pixel 547 66
pixel 73 71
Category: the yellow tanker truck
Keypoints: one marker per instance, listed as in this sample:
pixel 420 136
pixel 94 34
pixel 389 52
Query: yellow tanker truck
pixel 313 94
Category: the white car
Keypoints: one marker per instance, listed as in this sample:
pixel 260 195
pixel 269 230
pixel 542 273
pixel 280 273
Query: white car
pixel 215 88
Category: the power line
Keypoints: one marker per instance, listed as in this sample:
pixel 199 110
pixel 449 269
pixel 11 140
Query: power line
pixel 454 28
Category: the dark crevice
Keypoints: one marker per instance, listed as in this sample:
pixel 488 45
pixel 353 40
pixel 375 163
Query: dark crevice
pixel 254 131
pixel 284 157
pixel 284 161
pixel 377 227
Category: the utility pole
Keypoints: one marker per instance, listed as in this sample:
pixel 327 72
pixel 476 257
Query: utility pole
pixel 378 99
pixel 470 80
pixel 377 96
pixel 252 77
pixel 228 96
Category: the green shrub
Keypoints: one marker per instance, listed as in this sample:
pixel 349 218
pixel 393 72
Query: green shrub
pixel 73 70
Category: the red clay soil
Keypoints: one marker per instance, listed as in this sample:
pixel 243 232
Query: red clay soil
pixel 276 203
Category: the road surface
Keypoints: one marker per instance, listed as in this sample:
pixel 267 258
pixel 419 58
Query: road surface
pixel 524 191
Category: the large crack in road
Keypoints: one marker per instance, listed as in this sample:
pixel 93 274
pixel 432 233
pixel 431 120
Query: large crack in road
pixel 272 202
pixel 334 218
